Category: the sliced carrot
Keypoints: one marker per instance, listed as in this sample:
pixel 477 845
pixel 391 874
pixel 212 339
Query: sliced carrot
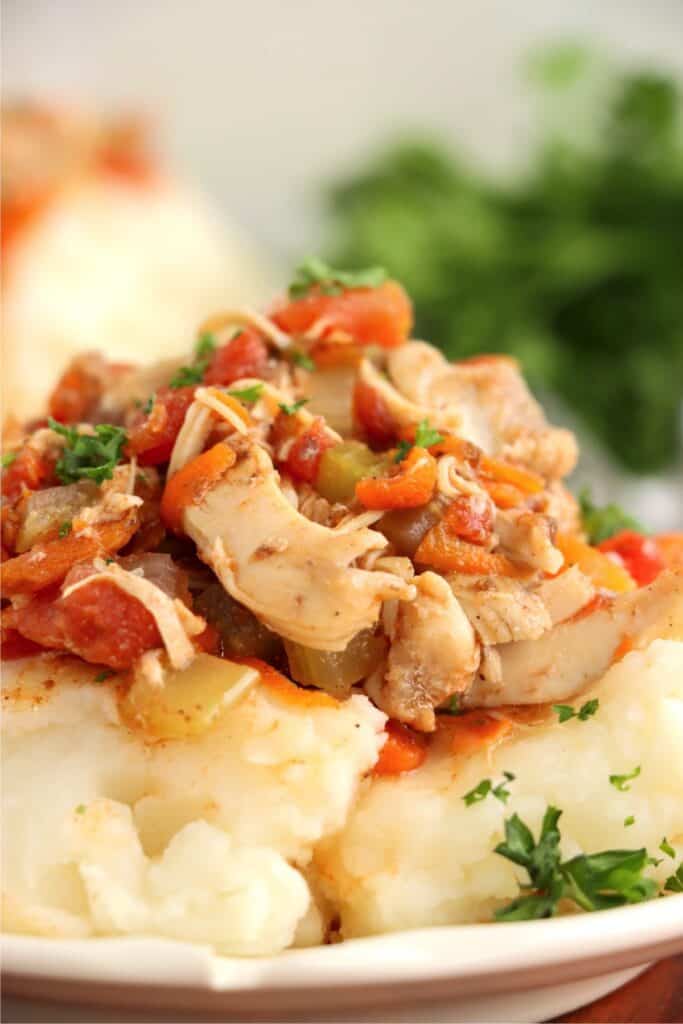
pixel 598 566
pixel 442 550
pixel 403 751
pixel 49 563
pixel 189 485
pixel 623 649
pixel 503 495
pixel 475 731
pixel 412 486
pixel 287 691
pixel 507 473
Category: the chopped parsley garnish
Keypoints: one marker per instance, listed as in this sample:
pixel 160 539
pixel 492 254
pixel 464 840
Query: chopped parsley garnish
pixel 8 458
pixel 303 360
pixel 425 437
pixel 674 883
pixel 289 410
pixel 65 529
pixel 88 456
pixel 251 394
pixel 602 523
pixel 620 781
pixel 629 821
pixel 186 376
pixel 666 847
pixel 453 706
pixel 482 790
pixel 101 677
pixel 315 273
pixel 594 882
pixel 149 404
pixel 80 809
pixel 586 711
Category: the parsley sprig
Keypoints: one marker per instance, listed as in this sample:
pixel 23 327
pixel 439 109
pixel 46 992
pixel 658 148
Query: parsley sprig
pixel 88 456
pixel 482 790
pixel 674 883
pixel 186 376
pixel 248 395
pixel 425 437
pixel 565 711
pixel 315 273
pixel 602 523
pixel 592 881
pixel 620 782
pixel 290 410
pixel 8 458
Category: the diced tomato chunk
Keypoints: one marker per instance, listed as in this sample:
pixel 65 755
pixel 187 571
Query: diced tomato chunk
pixel 303 459
pixel 370 316
pixel 638 554
pixel 245 355
pixel 99 623
pixel 371 413
pixel 470 518
pixel 153 436
pixel 76 394
pixel 29 471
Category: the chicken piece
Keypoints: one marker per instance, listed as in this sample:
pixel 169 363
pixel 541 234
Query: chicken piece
pixel 562 662
pixel 502 610
pixel 558 502
pixel 296 576
pixel 433 654
pixel 491 401
pixel 566 594
pixel 403 411
pixel 529 538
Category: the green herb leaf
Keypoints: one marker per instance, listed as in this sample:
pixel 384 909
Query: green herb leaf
pixel 594 882
pixel 104 675
pixel 249 395
pixel 629 821
pixel 64 529
pixel 666 847
pixel 674 883
pixel 88 456
pixel 187 376
pixel 426 436
pixel 500 792
pixel 80 809
pixel 402 449
pixel 620 781
pixel 315 273
pixel 479 793
pixel 149 404
pixel 290 410
pixel 303 360
pixel 564 712
pixel 205 347
pixel 452 707
pixel 602 523
pixel 588 709
pixel 8 458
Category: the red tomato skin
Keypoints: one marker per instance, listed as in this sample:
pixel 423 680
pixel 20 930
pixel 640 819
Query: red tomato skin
pixel 370 316
pixel 245 355
pixel 637 553
pixel 372 415
pixel 303 459
pixel 153 436
pixel 29 471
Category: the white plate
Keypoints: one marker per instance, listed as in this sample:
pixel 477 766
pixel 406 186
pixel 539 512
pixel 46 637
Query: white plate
pixel 519 971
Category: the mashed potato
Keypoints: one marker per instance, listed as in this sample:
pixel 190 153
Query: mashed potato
pixel 413 854
pixel 223 839
pixel 201 840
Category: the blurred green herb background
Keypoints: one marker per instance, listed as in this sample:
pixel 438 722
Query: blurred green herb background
pixel 574 264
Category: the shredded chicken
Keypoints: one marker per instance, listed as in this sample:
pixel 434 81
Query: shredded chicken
pixel 490 400
pixel 241 316
pixel 433 654
pixel 501 610
pixel 566 594
pixel 310 592
pixel 562 662
pixel 529 538
pixel 403 411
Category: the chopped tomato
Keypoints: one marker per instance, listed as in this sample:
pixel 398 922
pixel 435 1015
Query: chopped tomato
pixel 245 355
pixel 403 750
pixel 369 316
pixel 153 436
pixel 99 622
pixel 411 486
pixel 29 472
pixel 189 485
pixel 303 458
pixel 601 568
pixel 638 554
pixel 442 549
pixel 15 646
pixel 371 413
pixel 470 518
pixel 670 547
pixel 76 395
